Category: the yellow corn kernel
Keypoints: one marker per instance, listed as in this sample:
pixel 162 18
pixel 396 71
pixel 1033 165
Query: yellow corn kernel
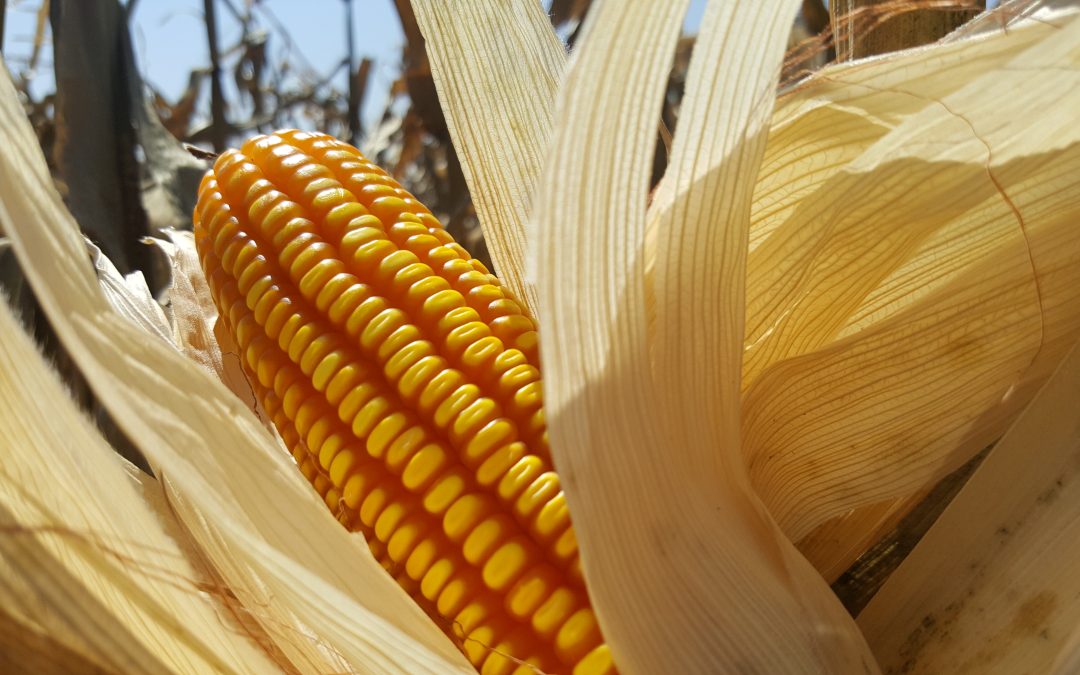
pixel 405 380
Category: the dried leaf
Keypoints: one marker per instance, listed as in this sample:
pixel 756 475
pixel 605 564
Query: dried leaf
pixel 29 649
pixel 1068 659
pixel 991 588
pixel 910 305
pixel 709 570
pixel 195 317
pixel 101 573
pixel 129 295
pixel 497 66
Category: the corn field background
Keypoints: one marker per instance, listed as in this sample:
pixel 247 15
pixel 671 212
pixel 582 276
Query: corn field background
pixel 127 162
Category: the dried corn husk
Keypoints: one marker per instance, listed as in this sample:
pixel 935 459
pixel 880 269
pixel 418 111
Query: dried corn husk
pixel 992 587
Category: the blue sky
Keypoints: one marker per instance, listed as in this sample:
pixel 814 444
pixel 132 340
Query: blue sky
pixel 170 40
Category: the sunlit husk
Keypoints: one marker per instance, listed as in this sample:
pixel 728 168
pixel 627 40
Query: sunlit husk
pixel 909 304
pixel 637 420
pixel 992 587
pixel 499 113
pixel 85 560
pixel 314 589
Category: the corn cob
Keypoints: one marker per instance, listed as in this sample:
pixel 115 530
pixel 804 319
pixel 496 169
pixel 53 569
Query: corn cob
pixel 405 381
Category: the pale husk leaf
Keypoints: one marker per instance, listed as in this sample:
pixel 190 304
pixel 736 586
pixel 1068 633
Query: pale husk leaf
pixel 194 317
pixel 695 574
pixel 835 545
pixel 497 67
pixel 992 587
pixel 84 559
pixel 262 527
pixel 918 99
pixel 1068 659
pixel 823 124
pixel 908 306
pixel 129 295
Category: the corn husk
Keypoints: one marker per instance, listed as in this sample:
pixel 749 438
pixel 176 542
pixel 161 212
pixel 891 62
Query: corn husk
pixel 129 295
pixel 500 142
pixel 84 559
pixel 992 586
pixel 193 318
pixel 909 283
pixel 651 441
pixel 911 304
pixel 824 299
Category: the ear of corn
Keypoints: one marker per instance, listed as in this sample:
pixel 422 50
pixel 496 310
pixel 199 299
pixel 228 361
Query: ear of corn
pixel 405 381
